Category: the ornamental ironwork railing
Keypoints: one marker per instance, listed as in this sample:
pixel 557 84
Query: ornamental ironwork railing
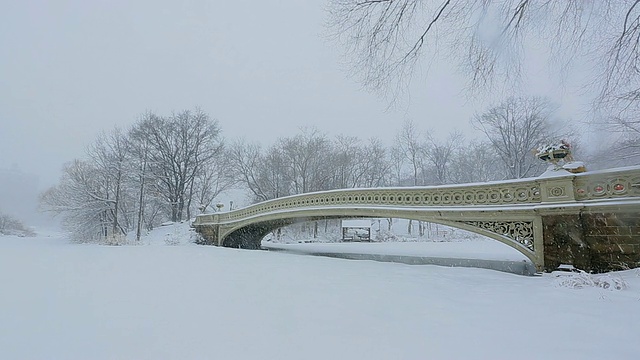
pixel 615 183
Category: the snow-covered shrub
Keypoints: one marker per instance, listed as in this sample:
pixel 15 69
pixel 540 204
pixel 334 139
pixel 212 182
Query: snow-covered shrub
pixel 172 239
pixel 384 236
pixel 179 233
pixel 196 238
pixel 12 226
pixel 582 279
pixel 610 282
pixel 116 240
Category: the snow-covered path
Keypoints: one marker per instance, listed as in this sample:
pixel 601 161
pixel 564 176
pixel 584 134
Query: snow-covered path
pixel 65 301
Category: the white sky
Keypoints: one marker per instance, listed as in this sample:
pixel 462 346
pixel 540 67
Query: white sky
pixel 72 68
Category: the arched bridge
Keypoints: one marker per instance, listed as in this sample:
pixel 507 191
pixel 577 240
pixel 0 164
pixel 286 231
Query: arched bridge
pixel 590 220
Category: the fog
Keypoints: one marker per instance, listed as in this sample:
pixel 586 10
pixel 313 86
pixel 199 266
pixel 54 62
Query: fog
pixel 72 68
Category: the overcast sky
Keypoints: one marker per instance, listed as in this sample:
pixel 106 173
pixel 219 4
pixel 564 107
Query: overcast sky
pixel 72 68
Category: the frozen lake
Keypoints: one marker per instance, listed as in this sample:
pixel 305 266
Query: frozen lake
pixel 481 253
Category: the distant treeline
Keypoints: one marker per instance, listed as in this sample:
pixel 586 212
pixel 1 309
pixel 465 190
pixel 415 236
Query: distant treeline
pixel 173 167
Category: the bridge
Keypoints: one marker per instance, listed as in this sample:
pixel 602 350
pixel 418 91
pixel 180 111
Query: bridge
pixel 590 220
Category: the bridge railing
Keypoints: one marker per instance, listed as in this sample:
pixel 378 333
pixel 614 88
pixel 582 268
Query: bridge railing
pixel 511 192
pixel 607 184
pixel 613 183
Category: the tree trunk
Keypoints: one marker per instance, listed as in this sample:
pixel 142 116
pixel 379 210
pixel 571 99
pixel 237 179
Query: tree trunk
pixel 141 202
pixel 190 198
pixel 174 211
pixel 116 205
pixel 180 207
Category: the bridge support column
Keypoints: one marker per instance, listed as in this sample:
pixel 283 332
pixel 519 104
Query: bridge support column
pixel 592 241
pixel 209 234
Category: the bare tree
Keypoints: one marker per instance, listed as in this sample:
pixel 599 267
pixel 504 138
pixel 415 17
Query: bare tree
pixel 347 161
pixel 412 146
pixel 626 153
pixel 514 128
pixel 309 162
pixel 82 199
pixel 274 172
pixel 93 197
pixel 212 180
pixel 12 226
pixel 358 164
pixel 439 155
pixel 397 165
pixel 378 35
pixel 386 39
pixel 244 159
pixel 161 165
pixel 475 162
pixel 109 156
pixel 376 165
pixel 306 156
pixel 622 117
pixel 181 146
pixel 140 148
pixel 266 175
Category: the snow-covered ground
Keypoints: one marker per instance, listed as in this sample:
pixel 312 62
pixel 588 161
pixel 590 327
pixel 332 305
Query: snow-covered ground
pixel 155 301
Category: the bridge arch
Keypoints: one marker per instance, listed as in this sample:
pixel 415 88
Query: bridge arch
pixel 249 233
pixel 590 220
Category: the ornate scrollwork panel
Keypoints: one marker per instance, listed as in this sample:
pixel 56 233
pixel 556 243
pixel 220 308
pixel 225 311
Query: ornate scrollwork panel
pixel 518 231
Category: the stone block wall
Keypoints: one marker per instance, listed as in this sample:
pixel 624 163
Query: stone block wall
pixel 595 242
pixel 209 234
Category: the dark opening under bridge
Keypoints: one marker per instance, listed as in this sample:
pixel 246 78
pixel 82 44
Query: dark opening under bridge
pixel 590 220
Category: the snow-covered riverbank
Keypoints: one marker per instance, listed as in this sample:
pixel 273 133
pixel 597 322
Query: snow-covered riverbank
pixel 154 301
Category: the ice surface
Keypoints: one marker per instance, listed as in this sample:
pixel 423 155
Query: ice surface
pixel 476 249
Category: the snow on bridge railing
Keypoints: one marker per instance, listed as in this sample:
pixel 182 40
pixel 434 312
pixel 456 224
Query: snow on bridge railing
pixel 507 192
pixel 612 183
